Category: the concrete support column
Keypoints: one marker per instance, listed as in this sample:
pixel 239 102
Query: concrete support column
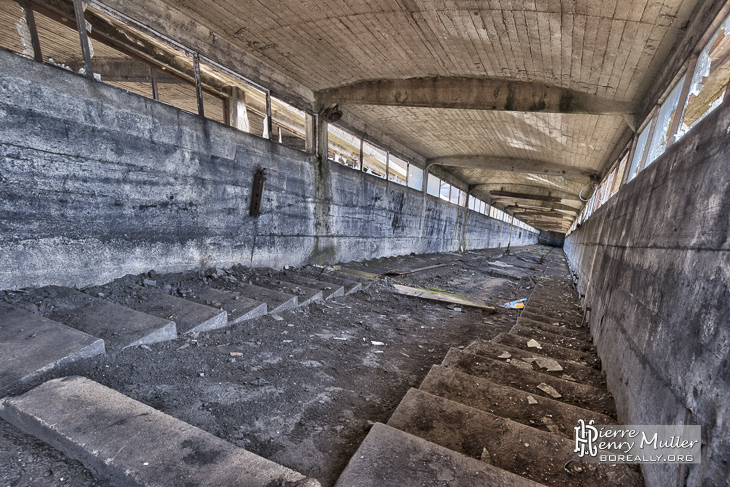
pixel 237 112
pixel 310 136
pixel 322 137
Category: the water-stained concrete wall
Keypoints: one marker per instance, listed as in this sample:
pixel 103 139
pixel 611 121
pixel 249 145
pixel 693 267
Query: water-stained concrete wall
pixel 654 265
pixel 96 183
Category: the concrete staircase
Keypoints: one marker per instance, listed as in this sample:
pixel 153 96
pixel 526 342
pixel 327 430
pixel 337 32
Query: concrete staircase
pixel 122 441
pixel 501 412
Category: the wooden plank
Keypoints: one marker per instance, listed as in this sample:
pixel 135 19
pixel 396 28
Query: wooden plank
pixel 443 297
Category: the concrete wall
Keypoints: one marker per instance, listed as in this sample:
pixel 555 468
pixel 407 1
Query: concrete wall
pixel 654 265
pixel 96 183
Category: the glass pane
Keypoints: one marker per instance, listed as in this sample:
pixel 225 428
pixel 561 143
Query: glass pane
pixel 434 184
pixel 60 43
pixel 664 120
pixel 344 147
pixel 397 169
pixel 374 160
pixel 639 153
pixel 415 177
pixel 710 79
pixel 620 174
pixel 14 31
pixel 445 191
pixel 455 195
pixel 289 125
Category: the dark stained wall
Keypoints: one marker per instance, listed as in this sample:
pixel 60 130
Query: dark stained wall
pixel 96 183
pixel 654 265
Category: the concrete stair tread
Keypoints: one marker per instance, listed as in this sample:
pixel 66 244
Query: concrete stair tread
pixel 31 345
pixel 531 312
pixel 305 295
pixel 189 316
pixel 350 285
pixel 366 279
pixel 328 289
pixel 579 373
pixel 548 350
pixel 546 337
pixel 119 326
pixel 522 407
pixel 579 395
pixel 238 308
pixel 520 449
pixel 276 301
pixel 126 442
pixel 577 333
pixel 389 457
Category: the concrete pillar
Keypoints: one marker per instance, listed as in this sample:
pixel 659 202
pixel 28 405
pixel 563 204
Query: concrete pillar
pixel 237 113
pixel 310 142
pixel 322 137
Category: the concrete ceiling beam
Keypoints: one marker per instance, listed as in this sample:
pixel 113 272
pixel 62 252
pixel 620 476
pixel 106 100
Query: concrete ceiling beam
pixel 511 165
pixel 472 93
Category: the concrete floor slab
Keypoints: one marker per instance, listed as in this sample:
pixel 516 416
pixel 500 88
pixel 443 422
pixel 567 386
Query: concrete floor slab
pixel 276 301
pixel 553 338
pixel 495 351
pixel 579 395
pixel 549 350
pixel 126 442
pixel 305 295
pixel 541 413
pixel 189 316
pixel 328 289
pixel 389 457
pixel 31 345
pixel 119 326
pixel 528 452
pixel 238 307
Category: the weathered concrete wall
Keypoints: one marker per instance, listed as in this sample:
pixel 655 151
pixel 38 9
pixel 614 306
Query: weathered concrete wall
pixel 554 239
pixel 654 265
pixel 96 183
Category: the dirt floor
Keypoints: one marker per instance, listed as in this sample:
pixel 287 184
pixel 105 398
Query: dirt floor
pixel 301 388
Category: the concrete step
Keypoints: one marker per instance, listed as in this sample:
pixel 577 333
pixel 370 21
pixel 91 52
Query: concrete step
pixel 579 395
pixel 276 301
pixel 31 345
pixel 189 316
pixel 573 371
pixel 579 334
pixel 125 442
pixel 549 350
pixel 238 308
pixel 119 326
pixel 366 279
pixel 534 313
pixel 528 452
pixel 538 412
pixel 389 457
pixel 305 295
pixel 328 289
pixel 349 285
pixel 551 338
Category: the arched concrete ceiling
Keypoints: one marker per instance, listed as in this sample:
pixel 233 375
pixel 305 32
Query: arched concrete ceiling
pixel 606 52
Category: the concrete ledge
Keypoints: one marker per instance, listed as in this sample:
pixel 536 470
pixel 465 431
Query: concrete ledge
pixel 128 443
pixel 31 345
pixel 392 458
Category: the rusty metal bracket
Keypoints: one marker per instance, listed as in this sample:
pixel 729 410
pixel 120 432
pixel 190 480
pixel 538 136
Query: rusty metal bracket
pixel 257 195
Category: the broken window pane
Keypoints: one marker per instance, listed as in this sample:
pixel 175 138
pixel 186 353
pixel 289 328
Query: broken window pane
pixel 639 153
pixel 434 184
pixel 397 170
pixel 290 126
pixel 445 191
pixel 14 30
pixel 472 203
pixel 374 159
pixel 710 79
pixel 344 147
pixel 415 177
pixel 620 174
pixel 664 120
pixel 455 195
pixel 118 69
pixel 60 43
